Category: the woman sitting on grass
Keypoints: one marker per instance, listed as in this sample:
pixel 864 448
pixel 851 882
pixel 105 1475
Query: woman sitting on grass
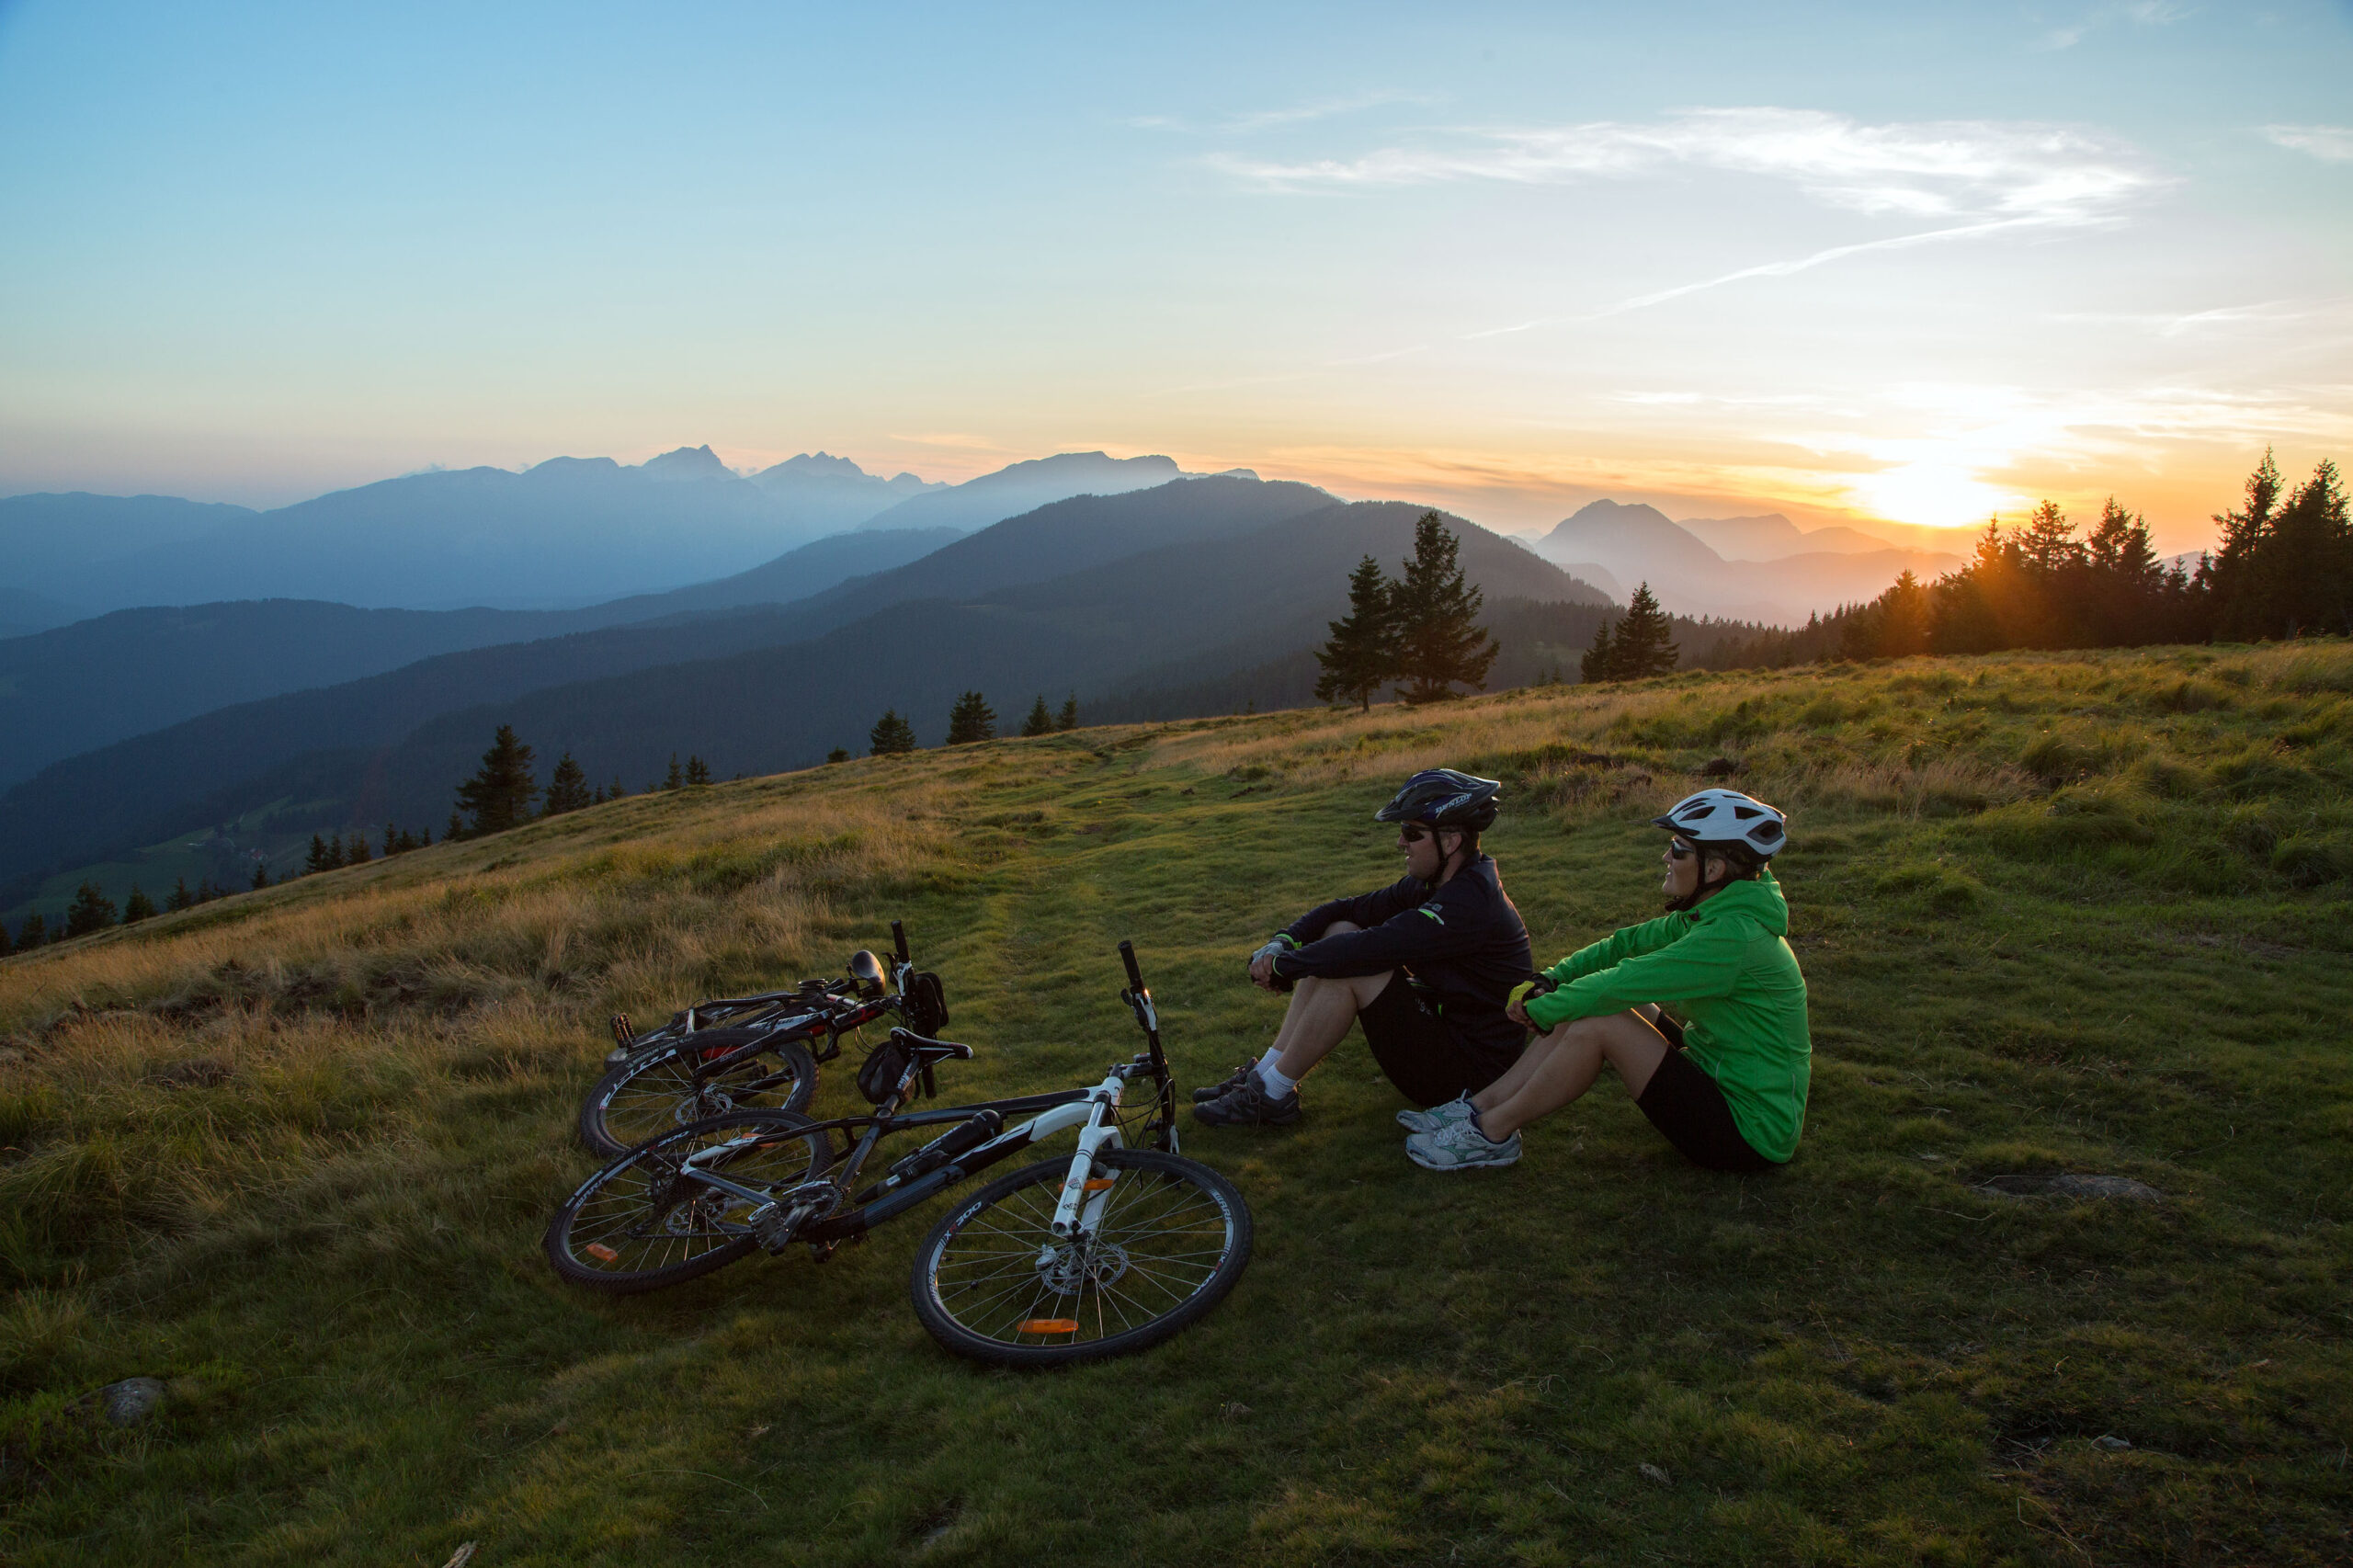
pixel 1730 1090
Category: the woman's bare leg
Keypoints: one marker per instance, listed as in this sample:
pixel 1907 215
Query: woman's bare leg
pixel 1562 1065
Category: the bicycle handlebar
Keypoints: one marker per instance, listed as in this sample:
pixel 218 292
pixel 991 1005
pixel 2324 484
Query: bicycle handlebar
pixel 1128 957
pixel 899 939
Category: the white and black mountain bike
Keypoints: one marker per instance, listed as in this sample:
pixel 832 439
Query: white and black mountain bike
pixel 1105 1250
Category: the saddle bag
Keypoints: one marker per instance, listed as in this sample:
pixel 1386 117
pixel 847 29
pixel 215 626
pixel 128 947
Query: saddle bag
pixel 925 1010
pixel 884 1066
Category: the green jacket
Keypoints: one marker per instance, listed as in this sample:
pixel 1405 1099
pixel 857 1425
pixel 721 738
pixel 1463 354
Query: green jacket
pixel 1725 968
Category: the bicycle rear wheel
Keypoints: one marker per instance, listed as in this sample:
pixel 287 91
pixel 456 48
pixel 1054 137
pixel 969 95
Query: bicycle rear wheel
pixel 992 1282
pixel 654 1091
pixel 637 1225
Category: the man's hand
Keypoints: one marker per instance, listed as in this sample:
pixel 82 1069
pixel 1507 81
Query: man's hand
pixel 1262 966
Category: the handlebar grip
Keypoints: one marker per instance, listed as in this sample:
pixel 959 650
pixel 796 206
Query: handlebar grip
pixel 1128 957
pixel 899 939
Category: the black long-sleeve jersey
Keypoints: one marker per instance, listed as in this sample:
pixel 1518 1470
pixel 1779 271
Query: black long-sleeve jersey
pixel 1462 941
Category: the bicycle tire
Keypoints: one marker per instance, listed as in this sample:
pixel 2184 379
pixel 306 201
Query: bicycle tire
pixel 992 1272
pixel 622 1232
pixel 653 1092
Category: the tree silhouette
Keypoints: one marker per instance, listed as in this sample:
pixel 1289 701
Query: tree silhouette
pixel 6 947
pixel 891 735
pixel 1643 642
pixel 1440 643
pixel 33 933
pixel 1041 721
pixel 500 795
pixel 1363 652
pixel 675 778
pixel 318 860
pixel 698 771
pixel 138 906
pixel 356 850
pixel 1598 663
pixel 261 875
pixel 970 720
pixel 180 897
pixel 567 787
pixel 840 754
pixel 1067 718
pixel 453 830
pixel 90 910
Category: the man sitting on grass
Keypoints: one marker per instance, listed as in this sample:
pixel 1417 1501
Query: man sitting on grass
pixel 1730 1090
pixel 1426 963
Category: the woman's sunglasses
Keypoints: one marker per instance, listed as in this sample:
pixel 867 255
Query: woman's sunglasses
pixel 1678 850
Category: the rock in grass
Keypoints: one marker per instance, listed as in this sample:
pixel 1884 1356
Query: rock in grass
pixel 1652 1472
pixel 131 1400
pixel 2111 1442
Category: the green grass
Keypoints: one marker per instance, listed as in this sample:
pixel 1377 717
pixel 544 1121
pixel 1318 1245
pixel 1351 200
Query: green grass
pixel 2058 913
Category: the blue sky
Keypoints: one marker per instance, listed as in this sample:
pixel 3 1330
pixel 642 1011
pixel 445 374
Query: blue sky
pixel 1911 261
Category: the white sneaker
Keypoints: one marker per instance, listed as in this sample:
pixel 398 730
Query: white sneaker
pixel 1459 1146
pixel 1437 1116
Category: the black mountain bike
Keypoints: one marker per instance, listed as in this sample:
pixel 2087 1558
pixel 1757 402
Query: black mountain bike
pixel 747 1052
pixel 1103 1251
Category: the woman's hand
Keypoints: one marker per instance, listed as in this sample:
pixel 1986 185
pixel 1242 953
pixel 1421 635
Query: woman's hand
pixel 1518 1014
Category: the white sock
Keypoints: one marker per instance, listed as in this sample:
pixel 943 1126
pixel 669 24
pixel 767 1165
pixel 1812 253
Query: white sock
pixel 1271 1077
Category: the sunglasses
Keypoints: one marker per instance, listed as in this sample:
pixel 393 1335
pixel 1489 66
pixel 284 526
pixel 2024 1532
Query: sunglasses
pixel 1678 850
pixel 1414 832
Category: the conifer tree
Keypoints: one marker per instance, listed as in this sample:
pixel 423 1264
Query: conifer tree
pixel 1440 643
pixel 1643 642
pixel 840 754
pixel 698 770
pixel 616 791
pixel 261 875
pixel 676 778
pixel 6 947
pixel 972 719
pixel 500 795
pixel 318 860
pixel 567 787
pixel 1068 718
pixel 453 830
pixel 33 933
pixel 891 736
pixel 1041 721
pixel 356 851
pixel 138 906
pixel 1362 655
pixel 90 910
pixel 205 892
pixel 180 897
pixel 1600 663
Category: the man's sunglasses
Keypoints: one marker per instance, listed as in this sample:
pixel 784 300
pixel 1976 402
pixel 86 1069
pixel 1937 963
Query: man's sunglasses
pixel 1414 832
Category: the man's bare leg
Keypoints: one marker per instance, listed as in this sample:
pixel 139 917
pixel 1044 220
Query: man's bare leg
pixel 1564 1064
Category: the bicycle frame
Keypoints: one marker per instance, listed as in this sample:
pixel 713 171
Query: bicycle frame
pixel 811 1212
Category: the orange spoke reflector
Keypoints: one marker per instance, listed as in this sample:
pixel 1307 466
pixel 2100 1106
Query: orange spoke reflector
pixel 1097 1183
pixel 601 1252
pixel 1048 1325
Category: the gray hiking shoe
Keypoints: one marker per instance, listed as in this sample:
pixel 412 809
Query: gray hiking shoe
pixel 1248 1102
pixel 1437 1116
pixel 1459 1146
pixel 1233 1080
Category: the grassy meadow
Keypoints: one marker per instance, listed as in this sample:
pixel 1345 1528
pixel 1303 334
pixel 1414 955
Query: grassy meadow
pixel 292 1152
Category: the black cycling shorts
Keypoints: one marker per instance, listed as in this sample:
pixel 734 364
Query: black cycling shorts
pixel 1686 1105
pixel 1418 1053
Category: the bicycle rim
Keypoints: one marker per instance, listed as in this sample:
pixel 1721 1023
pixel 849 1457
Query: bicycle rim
pixel 993 1282
pixel 636 1226
pixel 660 1094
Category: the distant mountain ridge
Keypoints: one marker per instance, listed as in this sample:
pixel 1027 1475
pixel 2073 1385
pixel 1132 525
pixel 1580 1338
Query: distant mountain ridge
pixel 1078 594
pixel 1618 545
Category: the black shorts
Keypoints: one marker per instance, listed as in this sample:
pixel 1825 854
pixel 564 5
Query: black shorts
pixel 1419 1053
pixel 1686 1105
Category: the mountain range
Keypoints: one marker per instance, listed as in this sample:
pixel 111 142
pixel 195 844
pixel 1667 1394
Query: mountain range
pixel 1780 574
pixel 1086 594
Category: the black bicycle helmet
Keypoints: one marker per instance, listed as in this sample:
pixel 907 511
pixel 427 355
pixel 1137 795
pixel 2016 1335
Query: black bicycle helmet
pixel 1440 797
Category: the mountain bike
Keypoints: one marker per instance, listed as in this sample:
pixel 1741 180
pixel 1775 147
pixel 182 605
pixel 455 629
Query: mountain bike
pixel 1075 1258
pixel 755 1052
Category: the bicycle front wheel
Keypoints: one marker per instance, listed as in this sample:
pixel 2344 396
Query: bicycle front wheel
pixel 640 1223
pixel 992 1281
pixel 655 1092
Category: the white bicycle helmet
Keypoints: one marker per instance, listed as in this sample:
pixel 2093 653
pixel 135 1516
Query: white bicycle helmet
pixel 1727 816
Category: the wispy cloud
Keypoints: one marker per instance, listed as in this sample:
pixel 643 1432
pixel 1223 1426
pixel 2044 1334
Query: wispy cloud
pixel 2141 13
pixel 2332 144
pixel 1277 118
pixel 2174 324
pixel 1989 169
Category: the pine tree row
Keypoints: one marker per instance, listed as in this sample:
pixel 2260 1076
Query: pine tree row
pixel 970 719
